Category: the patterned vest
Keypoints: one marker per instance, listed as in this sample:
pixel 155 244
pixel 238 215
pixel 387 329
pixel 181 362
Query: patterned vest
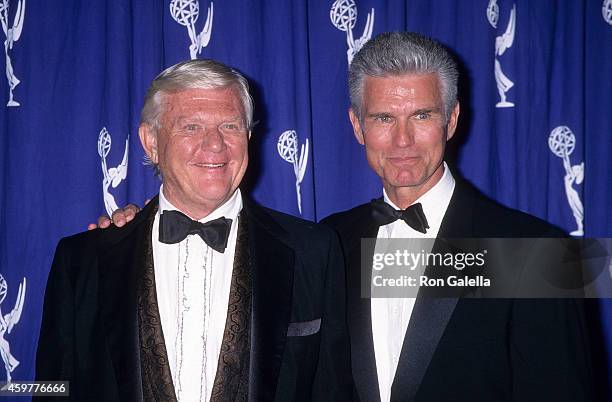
pixel 232 378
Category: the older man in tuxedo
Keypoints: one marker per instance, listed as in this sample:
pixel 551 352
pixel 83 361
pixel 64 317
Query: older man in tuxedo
pixel 203 295
pixel 404 109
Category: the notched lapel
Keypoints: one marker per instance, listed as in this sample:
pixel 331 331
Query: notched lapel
pixel 272 267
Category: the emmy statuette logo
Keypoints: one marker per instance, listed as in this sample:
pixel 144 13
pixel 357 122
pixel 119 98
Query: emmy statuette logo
pixel 502 43
pixel 7 322
pixel 112 176
pixel 287 147
pixel 12 35
pixel 186 13
pixel 562 142
pixel 493 13
pixel 606 11
pixel 343 15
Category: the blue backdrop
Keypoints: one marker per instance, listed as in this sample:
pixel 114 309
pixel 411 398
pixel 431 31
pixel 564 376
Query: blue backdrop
pixel 535 130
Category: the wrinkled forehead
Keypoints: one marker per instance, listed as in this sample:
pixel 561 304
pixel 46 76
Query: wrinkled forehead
pixel 222 102
pixel 416 86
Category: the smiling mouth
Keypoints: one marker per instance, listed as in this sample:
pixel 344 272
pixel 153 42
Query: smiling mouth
pixel 403 159
pixel 211 165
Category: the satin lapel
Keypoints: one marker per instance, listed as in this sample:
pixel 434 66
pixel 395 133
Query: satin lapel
pixel 430 315
pixel 359 313
pixel 427 323
pixel 272 267
pixel 120 267
pixel 232 377
pixel 459 217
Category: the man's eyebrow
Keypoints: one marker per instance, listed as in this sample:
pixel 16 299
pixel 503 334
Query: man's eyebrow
pixel 433 109
pixel 198 116
pixel 234 118
pixel 378 114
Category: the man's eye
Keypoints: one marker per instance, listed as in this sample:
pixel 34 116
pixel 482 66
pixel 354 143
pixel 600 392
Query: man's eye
pixel 230 126
pixel 423 116
pixel 383 119
pixel 191 127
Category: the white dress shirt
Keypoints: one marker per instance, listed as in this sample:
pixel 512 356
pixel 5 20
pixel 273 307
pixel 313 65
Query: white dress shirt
pixel 193 284
pixel 390 316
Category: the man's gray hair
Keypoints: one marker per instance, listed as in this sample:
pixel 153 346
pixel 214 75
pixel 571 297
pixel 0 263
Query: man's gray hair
pixel 400 53
pixel 194 74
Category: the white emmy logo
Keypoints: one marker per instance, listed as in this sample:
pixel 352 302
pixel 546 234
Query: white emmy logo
pixel 7 322
pixel 12 35
pixel 112 176
pixel 186 13
pixel 562 142
pixel 606 11
pixel 287 149
pixel 343 15
pixel 493 13
pixel 502 43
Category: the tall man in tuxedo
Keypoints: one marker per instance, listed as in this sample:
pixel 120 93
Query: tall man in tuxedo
pixel 404 109
pixel 204 295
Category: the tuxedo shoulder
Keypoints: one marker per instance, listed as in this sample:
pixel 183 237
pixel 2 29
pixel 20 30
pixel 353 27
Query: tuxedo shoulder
pixel 500 220
pixel 285 219
pixel 294 231
pixel 81 241
pixel 294 225
pixel 347 219
pixel 99 239
pixel 75 254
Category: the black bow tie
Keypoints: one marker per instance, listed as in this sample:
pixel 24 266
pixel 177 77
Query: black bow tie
pixel 175 226
pixel 385 214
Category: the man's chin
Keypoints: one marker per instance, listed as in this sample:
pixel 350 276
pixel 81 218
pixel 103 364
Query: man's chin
pixel 214 197
pixel 218 192
pixel 409 182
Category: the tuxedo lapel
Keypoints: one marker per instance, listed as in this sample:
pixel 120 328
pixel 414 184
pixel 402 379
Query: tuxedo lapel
pixel 430 315
pixel 459 220
pixel 272 268
pixel 120 268
pixel 427 323
pixel 157 382
pixel 232 377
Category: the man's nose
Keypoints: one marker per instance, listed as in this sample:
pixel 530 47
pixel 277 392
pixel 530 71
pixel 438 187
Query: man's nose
pixel 403 135
pixel 212 140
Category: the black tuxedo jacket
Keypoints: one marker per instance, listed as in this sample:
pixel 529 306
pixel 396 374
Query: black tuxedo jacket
pixel 89 333
pixel 460 349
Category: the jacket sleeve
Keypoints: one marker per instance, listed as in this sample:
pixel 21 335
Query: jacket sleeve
pixel 54 358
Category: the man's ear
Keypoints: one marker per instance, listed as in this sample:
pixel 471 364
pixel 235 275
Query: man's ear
pixel 148 139
pixel 357 129
pixel 452 122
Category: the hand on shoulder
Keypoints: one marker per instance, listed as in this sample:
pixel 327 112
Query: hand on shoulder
pixel 120 217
